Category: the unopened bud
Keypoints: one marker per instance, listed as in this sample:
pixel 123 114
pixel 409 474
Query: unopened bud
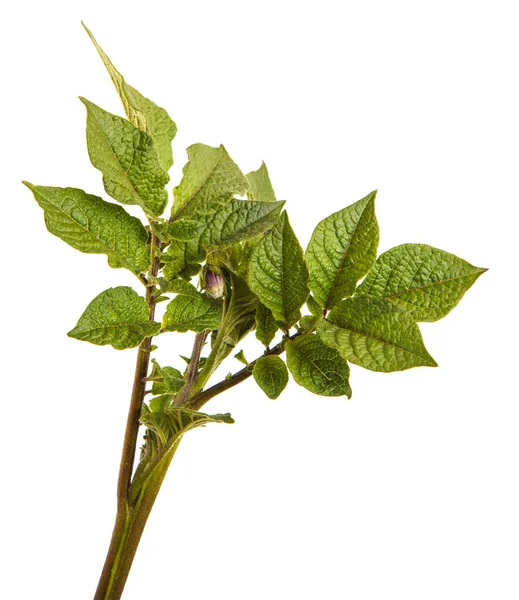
pixel 214 284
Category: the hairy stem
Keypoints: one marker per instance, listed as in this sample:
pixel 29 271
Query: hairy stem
pixel 192 369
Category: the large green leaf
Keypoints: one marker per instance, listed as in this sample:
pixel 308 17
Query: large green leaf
pixel 260 185
pixel 188 313
pixel 164 432
pixel 210 179
pixel 317 367
pixel 341 250
pixel 94 226
pixel 127 158
pixel 426 281
pixel 271 374
pixel 143 113
pixel 375 334
pixel 265 325
pixel 119 317
pixel 277 273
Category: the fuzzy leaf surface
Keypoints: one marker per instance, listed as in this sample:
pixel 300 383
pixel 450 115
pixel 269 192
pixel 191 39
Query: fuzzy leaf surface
pixel 188 313
pixel 260 187
pixel 119 317
pixel 375 334
pixel 142 112
pixel 277 273
pixel 426 281
pixel 127 158
pixel 317 367
pixel 271 374
pixel 91 225
pixel 341 251
pixel 210 179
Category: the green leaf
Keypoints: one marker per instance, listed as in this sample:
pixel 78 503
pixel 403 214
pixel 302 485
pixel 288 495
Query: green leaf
pixel 277 273
pixel 91 225
pixel 188 313
pixel 426 281
pixel 210 179
pixel 314 307
pixel 166 380
pixel 177 286
pixel 317 367
pixel 240 220
pixel 164 432
pixel 159 403
pixel 143 113
pixel 375 334
pixel 260 187
pixel 308 322
pixel 178 257
pixel 127 159
pixel 341 250
pixel 240 356
pixel 118 316
pixel 271 374
pixel 265 325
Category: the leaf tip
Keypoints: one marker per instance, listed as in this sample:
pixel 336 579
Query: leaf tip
pixel 31 186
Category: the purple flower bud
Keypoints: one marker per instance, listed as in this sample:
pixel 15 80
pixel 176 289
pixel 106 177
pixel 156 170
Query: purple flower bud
pixel 213 284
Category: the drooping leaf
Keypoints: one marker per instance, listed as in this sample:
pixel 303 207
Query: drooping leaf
pixel 164 432
pixel 375 334
pixel 260 187
pixel 426 281
pixel 265 325
pixel 271 374
pixel 118 316
pixel 127 158
pixel 91 225
pixel 317 367
pixel 341 250
pixel 210 179
pixel 188 313
pixel 277 273
pixel 238 221
pixel 143 113
pixel 166 380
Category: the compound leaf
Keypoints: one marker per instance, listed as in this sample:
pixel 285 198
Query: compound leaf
pixel 375 334
pixel 127 158
pixel 119 317
pixel 341 250
pixel 426 281
pixel 271 374
pixel 317 367
pixel 94 226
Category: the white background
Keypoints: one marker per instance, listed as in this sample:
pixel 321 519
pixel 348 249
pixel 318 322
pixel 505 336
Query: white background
pixel 407 491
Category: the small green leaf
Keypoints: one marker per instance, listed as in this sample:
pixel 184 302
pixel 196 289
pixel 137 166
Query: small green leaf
pixel 91 225
pixel 314 307
pixel 317 367
pixel 178 257
pixel 241 357
pixel 143 113
pixel 166 380
pixel 308 322
pixel 177 286
pixel 271 374
pixel 119 317
pixel 182 231
pixel 375 334
pixel 341 250
pixel 260 187
pixel 160 403
pixel 210 179
pixel 426 281
pixel 277 273
pixel 187 313
pixel 127 159
pixel 265 325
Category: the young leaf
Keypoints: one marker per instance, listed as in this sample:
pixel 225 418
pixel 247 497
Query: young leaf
pixel 375 334
pixel 182 231
pixel 426 281
pixel 91 225
pixel 141 112
pixel 260 187
pixel 127 159
pixel 341 250
pixel 314 307
pixel 119 317
pixel 187 313
pixel 271 374
pixel 277 273
pixel 265 325
pixel 210 179
pixel 308 322
pixel 240 356
pixel 160 403
pixel 177 286
pixel 317 367
pixel 166 380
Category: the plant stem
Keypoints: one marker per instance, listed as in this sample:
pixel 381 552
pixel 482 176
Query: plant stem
pixel 192 369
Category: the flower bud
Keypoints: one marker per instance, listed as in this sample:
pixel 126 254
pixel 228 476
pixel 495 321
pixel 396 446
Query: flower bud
pixel 214 284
